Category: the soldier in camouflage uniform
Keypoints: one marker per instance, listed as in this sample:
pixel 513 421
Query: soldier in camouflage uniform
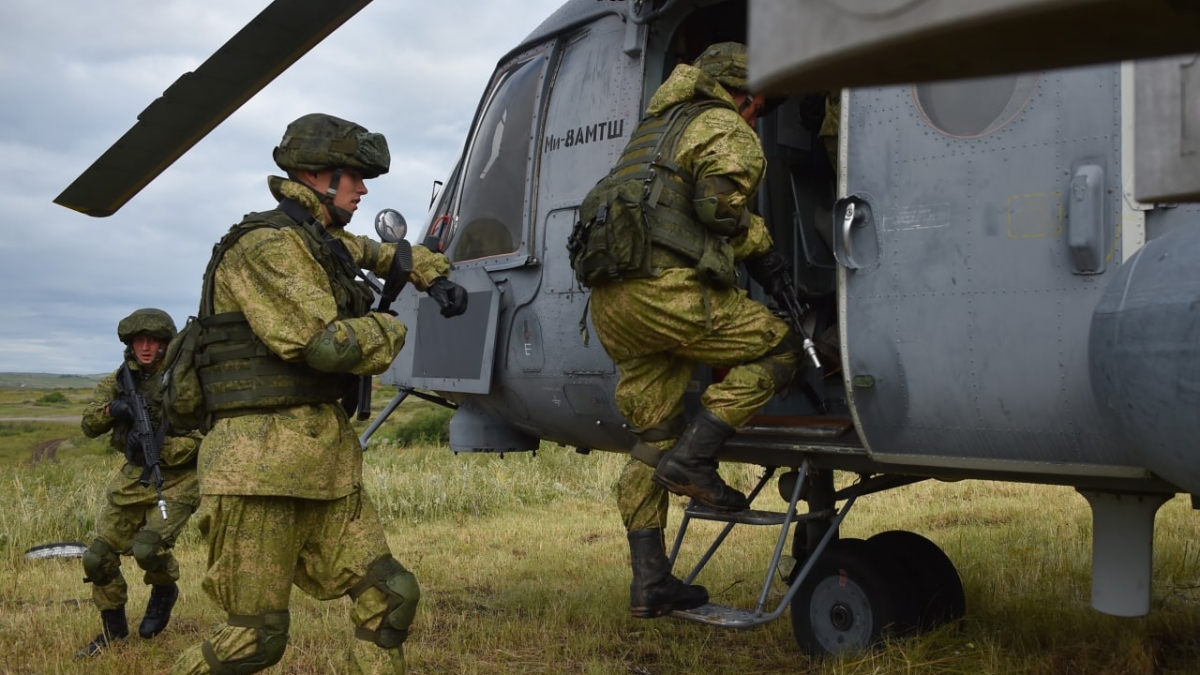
pixel 130 522
pixel 658 329
pixel 282 468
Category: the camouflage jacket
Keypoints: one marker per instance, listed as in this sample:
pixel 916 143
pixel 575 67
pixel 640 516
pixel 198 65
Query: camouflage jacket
pixel 179 450
pixel 717 143
pixel 307 451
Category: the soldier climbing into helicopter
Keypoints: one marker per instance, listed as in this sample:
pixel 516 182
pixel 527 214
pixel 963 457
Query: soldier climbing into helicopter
pixel 681 306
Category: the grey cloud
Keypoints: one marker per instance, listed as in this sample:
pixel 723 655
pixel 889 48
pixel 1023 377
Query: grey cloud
pixel 74 77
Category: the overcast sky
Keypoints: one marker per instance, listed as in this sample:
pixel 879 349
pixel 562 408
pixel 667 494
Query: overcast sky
pixel 75 74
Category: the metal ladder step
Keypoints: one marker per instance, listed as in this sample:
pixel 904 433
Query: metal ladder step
pixel 720 615
pixel 747 517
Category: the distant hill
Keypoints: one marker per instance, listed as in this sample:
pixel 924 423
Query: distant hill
pixel 48 381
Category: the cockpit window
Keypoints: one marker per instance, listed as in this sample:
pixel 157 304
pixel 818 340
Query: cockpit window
pixel 490 218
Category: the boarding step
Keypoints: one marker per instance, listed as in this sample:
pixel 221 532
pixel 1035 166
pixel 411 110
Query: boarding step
pixel 746 517
pixel 720 615
pixel 802 426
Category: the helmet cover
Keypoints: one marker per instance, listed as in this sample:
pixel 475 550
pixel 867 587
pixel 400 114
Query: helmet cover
pixel 153 322
pixel 726 63
pixel 318 141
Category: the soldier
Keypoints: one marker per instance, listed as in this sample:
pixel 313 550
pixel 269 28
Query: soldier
pixel 282 470
pixel 690 311
pixel 130 521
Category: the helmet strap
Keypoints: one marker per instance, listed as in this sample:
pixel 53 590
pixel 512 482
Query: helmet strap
pixel 337 215
pixel 334 180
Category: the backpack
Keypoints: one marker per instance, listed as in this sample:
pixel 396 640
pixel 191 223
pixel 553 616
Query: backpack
pixel 620 218
pixel 611 240
pixel 179 384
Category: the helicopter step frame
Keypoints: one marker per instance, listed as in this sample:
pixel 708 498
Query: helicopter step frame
pixel 716 614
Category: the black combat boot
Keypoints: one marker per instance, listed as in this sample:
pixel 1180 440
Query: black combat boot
pixel 115 629
pixel 158 610
pixel 655 591
pixel 690 467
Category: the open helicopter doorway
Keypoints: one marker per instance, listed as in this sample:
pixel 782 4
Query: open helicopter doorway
pixel 796 200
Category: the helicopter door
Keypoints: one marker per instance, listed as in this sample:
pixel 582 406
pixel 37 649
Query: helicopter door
pixel 488 230
pixel 974 234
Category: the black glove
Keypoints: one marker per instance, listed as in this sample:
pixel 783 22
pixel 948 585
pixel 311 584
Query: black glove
pixel 133 449
pixel 771 270
pixel 121 408
pixel 450 296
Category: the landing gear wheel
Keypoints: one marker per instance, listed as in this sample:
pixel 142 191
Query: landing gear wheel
pixel 854 595
pixel 940 596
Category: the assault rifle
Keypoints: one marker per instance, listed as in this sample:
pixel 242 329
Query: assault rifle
pixel 144 438
pixel 778 274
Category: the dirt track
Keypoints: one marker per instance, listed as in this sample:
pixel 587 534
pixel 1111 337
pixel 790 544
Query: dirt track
pixel 46 451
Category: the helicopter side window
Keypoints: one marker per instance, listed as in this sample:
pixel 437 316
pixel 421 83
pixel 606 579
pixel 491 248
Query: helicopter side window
pixel 492 206
pixel 975 107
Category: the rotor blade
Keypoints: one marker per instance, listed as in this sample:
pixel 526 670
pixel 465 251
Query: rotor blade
pixel 62 549
pixel 198 101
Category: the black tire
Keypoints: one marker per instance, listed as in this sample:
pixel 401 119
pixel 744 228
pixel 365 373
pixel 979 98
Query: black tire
pixel 940 595
pixel 855 594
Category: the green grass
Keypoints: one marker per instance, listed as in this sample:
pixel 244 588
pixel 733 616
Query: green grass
pixel 524 568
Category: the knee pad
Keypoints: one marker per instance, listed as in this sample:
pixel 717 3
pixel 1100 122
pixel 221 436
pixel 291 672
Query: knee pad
pixel 147 550
pixel 645 450
pixel 271 632
pixel 101 564
pixel 402 593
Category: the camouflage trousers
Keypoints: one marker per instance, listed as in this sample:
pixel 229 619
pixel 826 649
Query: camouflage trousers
pixel 657 331
pixel 259 547
pixel 130 508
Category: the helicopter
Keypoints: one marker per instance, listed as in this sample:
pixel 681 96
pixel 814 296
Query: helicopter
pixel 989 299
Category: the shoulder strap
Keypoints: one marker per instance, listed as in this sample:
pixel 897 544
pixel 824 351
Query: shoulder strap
pixel 298 217
pixel 304 218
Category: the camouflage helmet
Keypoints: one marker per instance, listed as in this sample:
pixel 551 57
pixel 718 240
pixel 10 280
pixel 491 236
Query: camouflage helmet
pixel 726 63
pixel 319 141
pixel 153 322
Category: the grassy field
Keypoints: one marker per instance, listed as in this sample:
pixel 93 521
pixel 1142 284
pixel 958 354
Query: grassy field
pixel 524 569
pixel 37 381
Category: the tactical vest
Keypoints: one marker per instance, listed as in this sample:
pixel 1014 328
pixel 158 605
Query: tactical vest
pixel 238 373
pixel 640 217
pixel 678 239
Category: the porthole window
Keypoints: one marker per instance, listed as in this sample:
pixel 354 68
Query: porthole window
pixel 975 107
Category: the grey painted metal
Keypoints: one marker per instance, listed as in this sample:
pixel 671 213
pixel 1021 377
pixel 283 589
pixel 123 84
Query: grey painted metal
pixel 1087 231
pixel 448 354
pixel 971 327
pixel 1145 354
pixel 474 429
pixel 811 45
pixel 1122 551
pixel 550 384
pixel 1168 129
pixel 731 617
pixel 387 411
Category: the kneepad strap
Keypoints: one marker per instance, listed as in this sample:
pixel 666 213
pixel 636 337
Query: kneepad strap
pixel 271 632
pixel 400 588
